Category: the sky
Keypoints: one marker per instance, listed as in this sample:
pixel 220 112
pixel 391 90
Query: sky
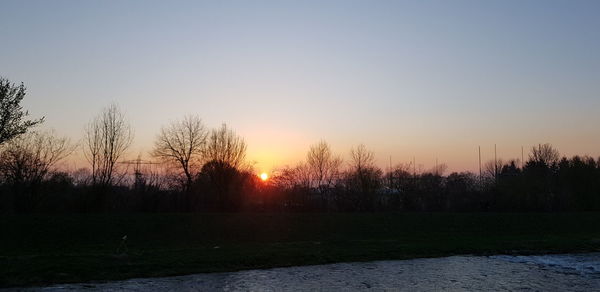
pixel 423 79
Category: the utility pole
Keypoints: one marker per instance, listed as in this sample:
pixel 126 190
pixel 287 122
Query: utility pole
pixel 390 174
pixel 480 177
pixel 495 163
pixel 522 158
pixel 414 171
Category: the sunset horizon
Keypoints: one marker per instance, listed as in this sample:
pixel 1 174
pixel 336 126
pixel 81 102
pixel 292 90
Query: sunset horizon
pixel 414 82
pixel 317 145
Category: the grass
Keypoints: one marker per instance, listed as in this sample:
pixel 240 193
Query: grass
pixel 45 249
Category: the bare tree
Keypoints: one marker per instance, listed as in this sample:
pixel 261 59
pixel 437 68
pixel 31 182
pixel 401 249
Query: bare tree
pixel 224 146
pixel 107 137
pixel 182 143
pixel 439 169
pixel 544 154
pixel 302 175
pixel 492 168
pixel 324 166
pixel 292 177
pixel 401 177
pixel 29 158
pixel 221 175
pixel 81 176
pixel 11 111
pixel 402 169
pixel 284 178
pixel 363 179
pixel 361 158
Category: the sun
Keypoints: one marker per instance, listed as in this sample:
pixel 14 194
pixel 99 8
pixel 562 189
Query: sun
pixel 264 176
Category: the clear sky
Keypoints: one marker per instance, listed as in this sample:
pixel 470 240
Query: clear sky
pixel 406 78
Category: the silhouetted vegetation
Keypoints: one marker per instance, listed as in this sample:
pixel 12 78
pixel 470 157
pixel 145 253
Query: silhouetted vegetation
pixel 201 169
pixel 12 123
pixel 224 183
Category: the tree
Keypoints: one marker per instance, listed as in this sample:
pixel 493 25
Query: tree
pixel 364 179
pixel 544 154
pixel 492 168
pixel 12 123
pixel 289 178
pixel 539 175
pixel 294 183
pixel 226 147
pixel 361 158
pixel 439 169
pixel 402 182
pixel 107 137
pixel 401 177
pixel 363 172
pixel 324 166
pixel 461 192
pixel 221 178
pixel 29 158
pixel 182 143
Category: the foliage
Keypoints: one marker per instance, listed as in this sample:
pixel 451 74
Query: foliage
pixel 12 115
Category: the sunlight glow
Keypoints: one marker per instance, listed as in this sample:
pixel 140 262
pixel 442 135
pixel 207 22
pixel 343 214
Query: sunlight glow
pixel 264 176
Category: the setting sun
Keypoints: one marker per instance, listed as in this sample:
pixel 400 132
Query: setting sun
pixel 264 176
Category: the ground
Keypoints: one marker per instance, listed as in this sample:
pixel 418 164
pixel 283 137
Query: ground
pixel 44 249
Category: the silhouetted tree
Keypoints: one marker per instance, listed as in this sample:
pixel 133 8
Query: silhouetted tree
pixel 324 170
pixel 544 154
pixel 107 137
pixel 295 183
pixel 30 157
pixel 509 190
pixel 439 169
pixel 361 158
pixel 324 166
pixel 402 185
pixel 182 143
pixel 12 115
pixel 221 177
pixel 27 160
pixel 81 176
pixel 578 184
pixel 288 178
pixel 221 183
pixel 462 195
pixel 491 170
pixel 363 179
pixel 429 191
pixel 539 174
pixel 225 146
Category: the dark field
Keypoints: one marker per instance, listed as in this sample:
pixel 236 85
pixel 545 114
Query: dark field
pixel 43 249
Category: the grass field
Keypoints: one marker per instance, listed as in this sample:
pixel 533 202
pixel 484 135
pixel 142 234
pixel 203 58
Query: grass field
pixel 44 249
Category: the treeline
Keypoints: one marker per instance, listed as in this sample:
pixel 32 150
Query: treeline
pixel 194 168
pixel 546 182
